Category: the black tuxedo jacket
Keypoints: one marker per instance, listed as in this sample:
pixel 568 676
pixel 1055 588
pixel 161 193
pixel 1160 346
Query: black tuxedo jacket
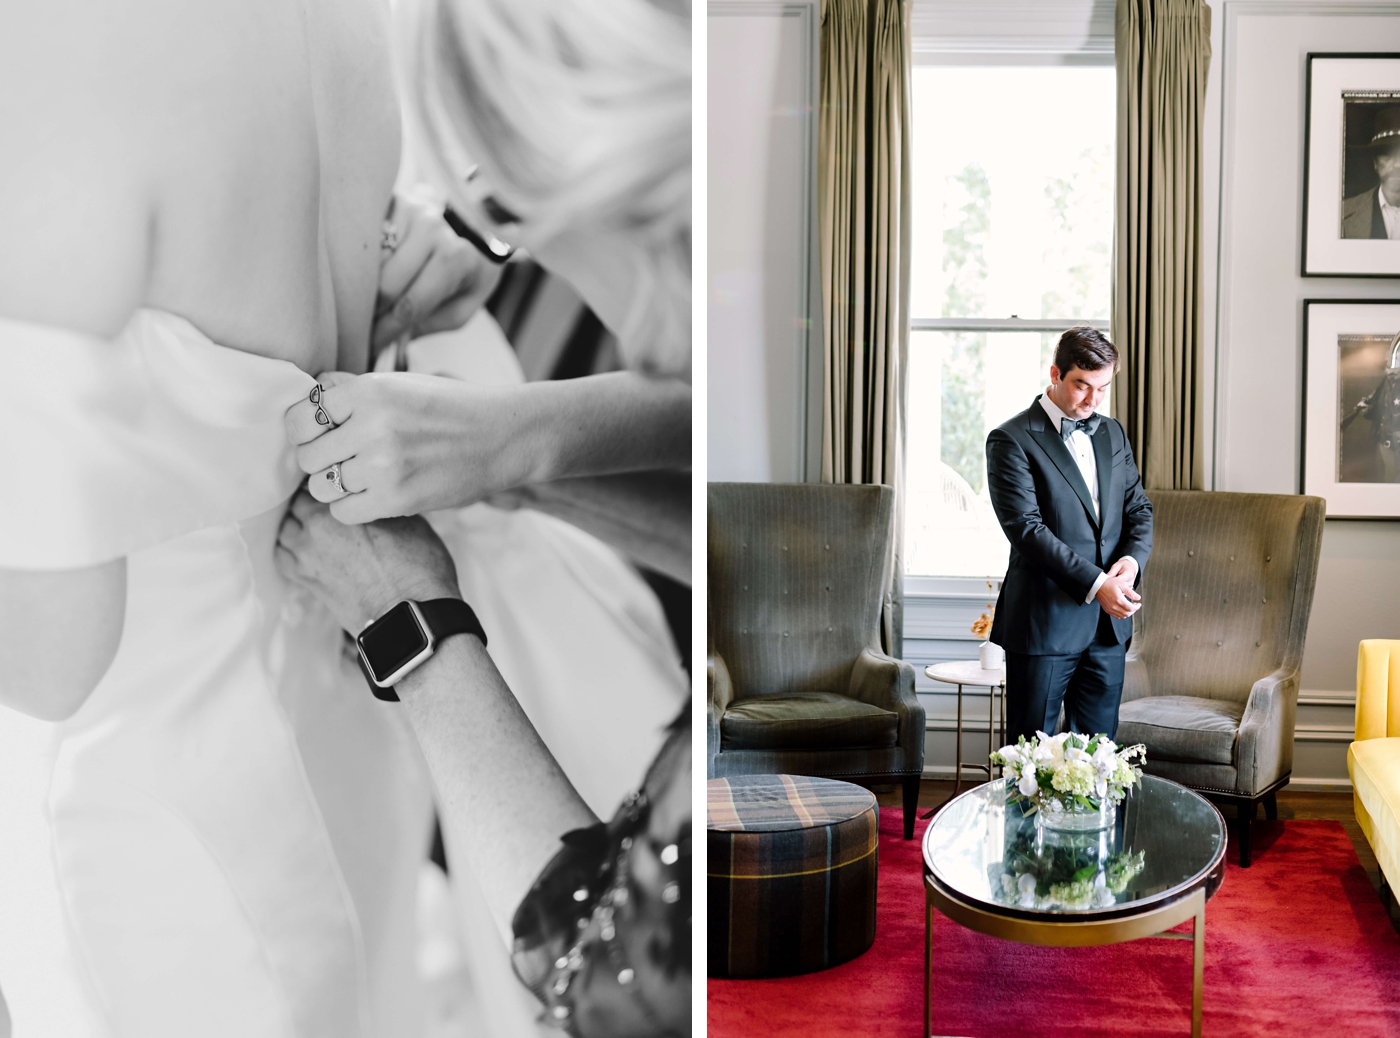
pixel 1058 547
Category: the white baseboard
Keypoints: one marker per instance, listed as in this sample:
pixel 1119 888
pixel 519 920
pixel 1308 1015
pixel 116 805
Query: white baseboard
pixel 1319 785
pixel 1324 733
pixel 944 773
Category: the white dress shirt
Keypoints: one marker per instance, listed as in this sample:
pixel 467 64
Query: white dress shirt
pixel 1390 214
pixel 1081 448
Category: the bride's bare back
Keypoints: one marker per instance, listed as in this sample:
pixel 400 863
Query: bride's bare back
pixel 229 161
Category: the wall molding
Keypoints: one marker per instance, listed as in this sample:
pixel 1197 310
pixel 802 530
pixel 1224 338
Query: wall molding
pixel 1319 785
pixel 1317 697
pixel 1303 784
pixel 1323 733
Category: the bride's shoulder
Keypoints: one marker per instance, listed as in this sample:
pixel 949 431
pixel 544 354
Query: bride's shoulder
pixel 102 106
pixel 74 211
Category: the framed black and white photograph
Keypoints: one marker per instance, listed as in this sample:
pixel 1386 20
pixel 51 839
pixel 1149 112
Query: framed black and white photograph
pixel 1351 178
pixel 1351 407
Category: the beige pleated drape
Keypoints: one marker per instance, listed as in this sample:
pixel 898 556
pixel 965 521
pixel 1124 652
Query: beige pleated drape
pixel 1162 53
pixel 863 229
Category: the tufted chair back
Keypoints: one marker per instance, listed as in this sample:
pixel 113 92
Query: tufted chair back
pixel 1226 594
pixel 797 576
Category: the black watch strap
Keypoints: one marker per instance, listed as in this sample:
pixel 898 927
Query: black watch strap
pixel 451 616
pixel 444 617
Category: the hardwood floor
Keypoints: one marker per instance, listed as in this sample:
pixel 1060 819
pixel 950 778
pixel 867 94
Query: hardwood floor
pixel 1332 807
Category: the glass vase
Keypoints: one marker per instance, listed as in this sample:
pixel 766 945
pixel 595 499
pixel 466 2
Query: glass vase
pixel 1077 818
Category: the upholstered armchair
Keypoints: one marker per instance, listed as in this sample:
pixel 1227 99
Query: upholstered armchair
pixel 1373 760
pixel 1212 674
pixel 798 683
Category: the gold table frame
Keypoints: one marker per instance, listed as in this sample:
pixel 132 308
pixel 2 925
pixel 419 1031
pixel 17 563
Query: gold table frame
pixel 1150 923
pixel 1060 931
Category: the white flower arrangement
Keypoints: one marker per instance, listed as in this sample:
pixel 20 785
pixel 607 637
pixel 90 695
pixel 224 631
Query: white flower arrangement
pixel 1070 771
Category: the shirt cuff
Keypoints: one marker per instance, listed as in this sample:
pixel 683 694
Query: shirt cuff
pixel 1095 589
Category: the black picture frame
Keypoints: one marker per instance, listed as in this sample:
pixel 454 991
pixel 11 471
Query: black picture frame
pixel 1325 251
pixel 1323 455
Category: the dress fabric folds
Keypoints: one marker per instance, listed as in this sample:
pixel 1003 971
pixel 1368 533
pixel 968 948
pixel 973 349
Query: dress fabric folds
pixel 225 838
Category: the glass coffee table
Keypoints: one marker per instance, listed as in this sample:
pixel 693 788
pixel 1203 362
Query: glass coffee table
pixel 991 868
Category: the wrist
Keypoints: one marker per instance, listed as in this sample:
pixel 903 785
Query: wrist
pixel 523 421
pixel 544 440
pixel 425 590
pixel 451 652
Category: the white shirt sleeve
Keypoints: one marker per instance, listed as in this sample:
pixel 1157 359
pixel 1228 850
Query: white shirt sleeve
pixel 1104 576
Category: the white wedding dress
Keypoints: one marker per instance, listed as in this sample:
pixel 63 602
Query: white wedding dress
pixel 226 838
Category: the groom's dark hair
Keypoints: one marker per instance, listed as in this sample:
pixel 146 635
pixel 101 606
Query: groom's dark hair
pixel 1085 348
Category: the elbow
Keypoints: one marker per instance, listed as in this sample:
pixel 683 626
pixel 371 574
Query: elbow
pixel 50 703
pixel 59 633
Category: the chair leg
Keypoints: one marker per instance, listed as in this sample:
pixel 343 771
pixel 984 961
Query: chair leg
pixel 1271 807
pixel 911 806
pixel 1245 815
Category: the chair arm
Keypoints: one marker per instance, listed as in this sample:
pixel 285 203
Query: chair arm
pixel 1136 684
pixel 721 694
pixel 1377 670
pixel 888 683
pixel 1266 731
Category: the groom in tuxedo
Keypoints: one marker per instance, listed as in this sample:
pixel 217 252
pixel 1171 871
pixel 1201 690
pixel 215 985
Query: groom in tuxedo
pixel 1068 496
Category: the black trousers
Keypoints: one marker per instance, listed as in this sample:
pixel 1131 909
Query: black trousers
pixel 1089 684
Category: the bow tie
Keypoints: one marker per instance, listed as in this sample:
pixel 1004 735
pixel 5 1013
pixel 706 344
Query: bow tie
pixel 1088 425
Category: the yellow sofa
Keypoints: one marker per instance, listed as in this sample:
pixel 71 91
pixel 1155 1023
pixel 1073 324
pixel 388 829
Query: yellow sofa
pixel 1373 760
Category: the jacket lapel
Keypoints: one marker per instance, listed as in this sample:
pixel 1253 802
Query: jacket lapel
pixel 1058 452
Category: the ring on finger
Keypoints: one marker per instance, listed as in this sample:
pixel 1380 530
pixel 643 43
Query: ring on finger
pixel 388 237
pixel 333 477
pixel 318 395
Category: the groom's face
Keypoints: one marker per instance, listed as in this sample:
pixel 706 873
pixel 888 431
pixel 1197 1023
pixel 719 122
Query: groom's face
pixel 1077 392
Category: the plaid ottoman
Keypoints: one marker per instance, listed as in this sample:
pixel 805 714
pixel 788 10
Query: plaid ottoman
pixel 792 865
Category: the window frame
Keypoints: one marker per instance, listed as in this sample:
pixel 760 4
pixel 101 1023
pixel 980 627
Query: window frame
pixel 984 33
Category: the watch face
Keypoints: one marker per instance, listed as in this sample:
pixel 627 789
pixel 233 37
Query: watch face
pixel 392 641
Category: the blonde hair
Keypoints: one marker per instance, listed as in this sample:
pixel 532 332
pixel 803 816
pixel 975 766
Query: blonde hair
pixel 582 112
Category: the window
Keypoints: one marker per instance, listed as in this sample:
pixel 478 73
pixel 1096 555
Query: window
pixel 1012 236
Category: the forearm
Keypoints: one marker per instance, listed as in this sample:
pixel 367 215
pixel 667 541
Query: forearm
pixel 59 632
pixel 645 515
pixel 604 424
pixel 503 798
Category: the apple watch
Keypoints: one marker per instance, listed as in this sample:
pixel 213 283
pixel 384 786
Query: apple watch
pixel 397 643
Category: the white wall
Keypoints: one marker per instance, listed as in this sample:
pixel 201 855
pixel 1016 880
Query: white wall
pixel 764 340
pixel 1253 204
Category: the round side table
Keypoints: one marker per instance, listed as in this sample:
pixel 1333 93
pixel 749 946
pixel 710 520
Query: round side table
pixel 970 672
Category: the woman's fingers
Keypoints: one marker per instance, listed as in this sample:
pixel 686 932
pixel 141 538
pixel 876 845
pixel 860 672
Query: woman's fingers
pixel 327 405
pixel 400 267
pixel 434 281
pixel 338 480
pixel 357 509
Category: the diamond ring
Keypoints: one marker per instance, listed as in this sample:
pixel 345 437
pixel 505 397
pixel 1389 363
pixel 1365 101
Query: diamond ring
pixel 388 237
pixel 333 477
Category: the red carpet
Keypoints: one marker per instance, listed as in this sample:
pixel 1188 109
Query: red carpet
pixel 1297 944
